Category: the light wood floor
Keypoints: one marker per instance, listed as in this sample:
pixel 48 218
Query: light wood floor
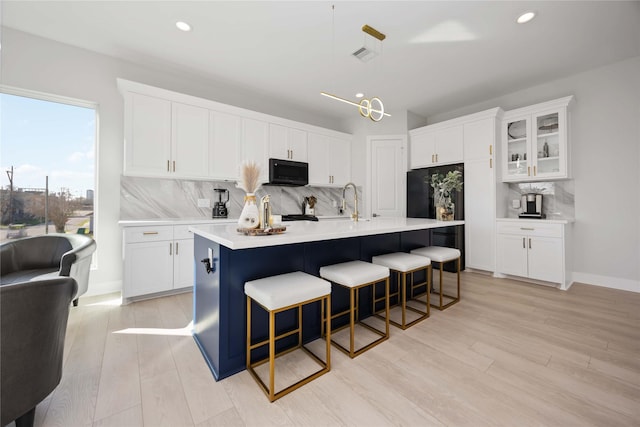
pixel 509 354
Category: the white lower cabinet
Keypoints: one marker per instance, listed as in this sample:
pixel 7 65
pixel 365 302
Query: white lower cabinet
pixel 157 259
pixel 532 249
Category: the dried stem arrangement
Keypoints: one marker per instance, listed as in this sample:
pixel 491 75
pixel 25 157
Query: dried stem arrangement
pixel 249 177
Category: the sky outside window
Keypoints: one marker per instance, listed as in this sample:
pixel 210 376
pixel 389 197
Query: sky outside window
pixel 40 138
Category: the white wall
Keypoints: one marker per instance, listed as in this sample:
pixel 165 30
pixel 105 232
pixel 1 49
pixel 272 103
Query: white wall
pixel 42 65
pixel 606 165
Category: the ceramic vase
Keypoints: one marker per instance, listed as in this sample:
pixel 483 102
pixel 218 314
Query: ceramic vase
pixel 250 215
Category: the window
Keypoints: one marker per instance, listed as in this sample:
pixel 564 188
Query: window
pixel 47 156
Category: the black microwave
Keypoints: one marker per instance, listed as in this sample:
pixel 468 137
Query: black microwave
pixel 288 172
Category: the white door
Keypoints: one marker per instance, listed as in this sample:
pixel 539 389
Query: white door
pixel 545 259
pixel 387 173
pixel 183 268
pixel 224 145
pixel 190 140
pixel 512 254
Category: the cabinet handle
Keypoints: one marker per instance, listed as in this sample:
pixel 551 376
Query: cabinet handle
pixel 490 149
pixel 528 170
pixel 490 163
pixel 147 233
pixel 168 167
pixel 174 165
pixel 436 157
pixel 527 228
pixel 534 171
pixel 170 245
pixel 176 248
pixel 523 243
pixel 529 243
pixel 432 161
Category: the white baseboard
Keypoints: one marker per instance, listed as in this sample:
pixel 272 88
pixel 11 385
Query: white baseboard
pixel 104 288
pixel 606 281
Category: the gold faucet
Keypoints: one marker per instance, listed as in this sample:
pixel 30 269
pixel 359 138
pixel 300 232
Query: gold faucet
pixel 354 215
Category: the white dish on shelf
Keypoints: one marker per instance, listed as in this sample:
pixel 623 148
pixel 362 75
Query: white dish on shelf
pixel 517 129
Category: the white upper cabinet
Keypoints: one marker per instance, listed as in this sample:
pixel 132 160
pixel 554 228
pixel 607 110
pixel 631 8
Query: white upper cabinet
pixel 170 134
pixel 329 160
pixel 189 141
pixel 536 143
pixel 287 143
pixel 255 144
pixel 435 145
pixel 224 145
pixel 147 128
pixel 164 138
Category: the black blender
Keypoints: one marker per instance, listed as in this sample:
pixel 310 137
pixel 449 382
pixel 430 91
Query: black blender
pixel 220 205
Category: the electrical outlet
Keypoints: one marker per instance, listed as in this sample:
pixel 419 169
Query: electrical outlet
pixel 204 203
pixel 334 203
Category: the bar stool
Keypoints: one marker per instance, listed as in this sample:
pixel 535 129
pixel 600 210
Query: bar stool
pixel 276 294
pixel 404 264
pixel 355 275
pixel 441 255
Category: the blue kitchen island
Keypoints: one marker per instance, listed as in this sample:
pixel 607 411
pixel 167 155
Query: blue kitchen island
pixel 226 259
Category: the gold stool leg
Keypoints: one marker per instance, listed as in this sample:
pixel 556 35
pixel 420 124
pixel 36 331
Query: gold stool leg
pixel 351 322
pixel 272 355
pixel 248 332
pixel 386 303
pixel 326 316
pixel 404 297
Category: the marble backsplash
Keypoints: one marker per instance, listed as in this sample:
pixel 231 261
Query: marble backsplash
pixel 156 198
pixel 558 198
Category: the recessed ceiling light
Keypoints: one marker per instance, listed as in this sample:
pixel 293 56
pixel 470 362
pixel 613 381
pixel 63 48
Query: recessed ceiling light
pixel 525 17
pixel 183 26
pixel 359 95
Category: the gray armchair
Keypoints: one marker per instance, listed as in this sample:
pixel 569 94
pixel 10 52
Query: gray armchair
pixel 51 255
pixel 33 324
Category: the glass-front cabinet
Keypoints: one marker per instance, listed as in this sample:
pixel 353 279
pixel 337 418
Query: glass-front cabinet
pixel 536 142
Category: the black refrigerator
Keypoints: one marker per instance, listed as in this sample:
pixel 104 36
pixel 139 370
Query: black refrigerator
pixel 420 205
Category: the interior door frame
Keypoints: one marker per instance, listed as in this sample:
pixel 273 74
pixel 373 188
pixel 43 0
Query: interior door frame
pixel 405 162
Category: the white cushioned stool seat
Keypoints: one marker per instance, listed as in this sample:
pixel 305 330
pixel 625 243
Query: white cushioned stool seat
pixel 401 261
pixel 438 253
pixel 354 273
pixel 286 289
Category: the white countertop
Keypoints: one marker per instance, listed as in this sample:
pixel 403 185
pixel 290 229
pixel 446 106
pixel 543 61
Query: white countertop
pixel 198 220
pixel 174 221
pixel 546 221
pixel 308 231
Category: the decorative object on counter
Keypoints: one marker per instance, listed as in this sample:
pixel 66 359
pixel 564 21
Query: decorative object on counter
pixel 444 188
pixel 250 216
pixel 263 231
pixel 265 212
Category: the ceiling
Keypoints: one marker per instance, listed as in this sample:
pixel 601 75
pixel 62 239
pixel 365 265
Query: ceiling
pixel 437 57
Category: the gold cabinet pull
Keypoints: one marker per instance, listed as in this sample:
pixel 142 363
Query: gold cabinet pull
pixel 527 228
pixel 168 167
pixel 534 171
pixel 176 248
pixel 528 170
pixel 490 149
pixel 529 243
pixel 174 165
pixel 523 244
pixel 436 157
pixel 148 233
pixel 170 245
pixel 490 163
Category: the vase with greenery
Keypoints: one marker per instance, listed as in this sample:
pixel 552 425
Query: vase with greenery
pixel 445 187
